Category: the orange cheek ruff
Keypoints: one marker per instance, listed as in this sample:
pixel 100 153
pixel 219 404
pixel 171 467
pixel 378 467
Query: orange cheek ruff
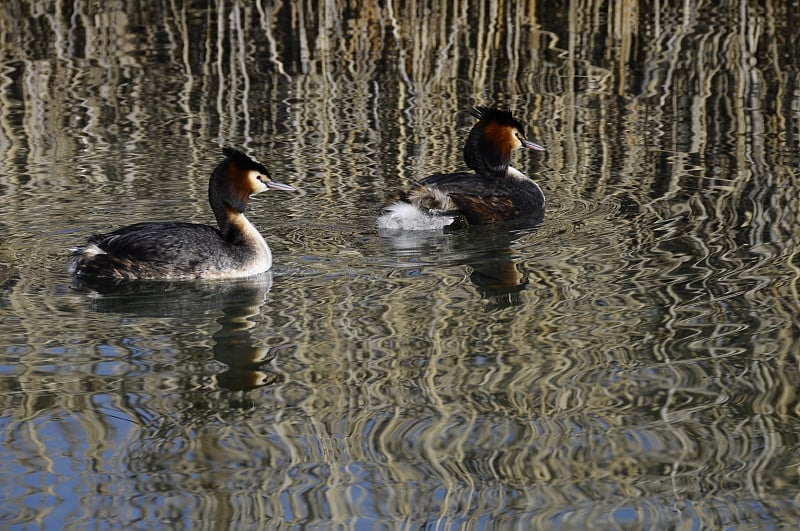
pixel 242 184
pixel 501 136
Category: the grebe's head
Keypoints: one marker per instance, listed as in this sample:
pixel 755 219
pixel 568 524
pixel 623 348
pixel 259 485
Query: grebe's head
pixel 492 139
pixel 237 178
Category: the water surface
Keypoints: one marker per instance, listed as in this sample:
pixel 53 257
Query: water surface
pixel 630 362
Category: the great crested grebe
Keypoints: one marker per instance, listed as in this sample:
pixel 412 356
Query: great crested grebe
pixel 173 250
pixel 496 192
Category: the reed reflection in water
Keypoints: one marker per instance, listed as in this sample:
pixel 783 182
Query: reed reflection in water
pixel 631 362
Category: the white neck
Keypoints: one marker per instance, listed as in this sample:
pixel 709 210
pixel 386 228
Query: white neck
pixel 516 174
pixel 262 258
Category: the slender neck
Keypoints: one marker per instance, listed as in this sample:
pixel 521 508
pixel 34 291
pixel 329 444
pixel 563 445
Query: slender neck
pixel 230 231
pixel 227 209
pixel 219 214
pixel 245 243
pixel 237 229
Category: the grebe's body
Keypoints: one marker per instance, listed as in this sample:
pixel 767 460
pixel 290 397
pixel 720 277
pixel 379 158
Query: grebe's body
pixel 175 251
pixel 496 192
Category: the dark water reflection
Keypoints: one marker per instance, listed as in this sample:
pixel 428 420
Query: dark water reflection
pixel 631 361
pixel 237 303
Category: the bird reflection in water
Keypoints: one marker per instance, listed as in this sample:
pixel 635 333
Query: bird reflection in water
pixel 234 346
pixel 236 303
pixel 500 280
pixel 487 250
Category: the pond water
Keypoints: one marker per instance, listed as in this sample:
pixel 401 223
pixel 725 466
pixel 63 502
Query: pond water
pixel 631 362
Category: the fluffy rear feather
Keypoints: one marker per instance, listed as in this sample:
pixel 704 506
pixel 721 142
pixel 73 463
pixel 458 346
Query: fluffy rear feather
pixel 405 216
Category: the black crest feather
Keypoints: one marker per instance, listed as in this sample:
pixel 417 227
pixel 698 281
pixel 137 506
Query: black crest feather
pixel 494 114
pixel 244 162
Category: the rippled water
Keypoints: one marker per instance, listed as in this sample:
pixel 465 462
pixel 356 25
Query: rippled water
pixel 631 362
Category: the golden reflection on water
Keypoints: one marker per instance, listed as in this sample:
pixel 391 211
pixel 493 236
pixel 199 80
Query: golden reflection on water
pixel 630 362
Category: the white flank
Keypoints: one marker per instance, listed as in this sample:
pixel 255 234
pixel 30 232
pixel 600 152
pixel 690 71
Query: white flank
pixel 81 253
pixel 405 216
pixel 91 250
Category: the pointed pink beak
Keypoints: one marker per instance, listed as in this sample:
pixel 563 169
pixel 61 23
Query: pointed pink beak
pixel 532 145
